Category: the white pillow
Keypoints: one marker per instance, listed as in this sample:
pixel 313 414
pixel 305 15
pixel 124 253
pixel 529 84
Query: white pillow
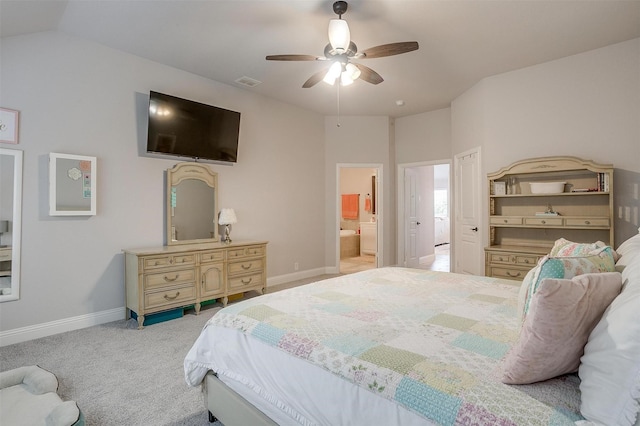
pixel 632 245
pixel 610 367
pixel 628 251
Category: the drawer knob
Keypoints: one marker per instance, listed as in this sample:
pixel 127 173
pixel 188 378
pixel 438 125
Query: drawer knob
pixel 526 261
pixel 544 221
pixel 505 221
pixel 167 279
pixel 587 222
pixel 501 259
pixel 171 298
pixel 513 275
pixel 245 267
pixel 247 282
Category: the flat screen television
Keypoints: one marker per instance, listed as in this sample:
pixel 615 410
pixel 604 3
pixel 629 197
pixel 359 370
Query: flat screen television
pixel 183 128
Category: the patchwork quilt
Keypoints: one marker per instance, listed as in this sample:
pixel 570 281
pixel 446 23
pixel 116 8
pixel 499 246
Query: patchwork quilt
pixel 429 341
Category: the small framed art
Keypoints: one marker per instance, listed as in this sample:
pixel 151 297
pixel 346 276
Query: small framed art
pixel 499 188
pixel 9 125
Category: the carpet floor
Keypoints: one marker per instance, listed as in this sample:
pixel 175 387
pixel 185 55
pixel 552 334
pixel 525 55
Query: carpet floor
pixel 119 375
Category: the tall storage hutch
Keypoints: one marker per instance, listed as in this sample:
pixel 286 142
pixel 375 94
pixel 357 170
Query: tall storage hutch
pixel 534 202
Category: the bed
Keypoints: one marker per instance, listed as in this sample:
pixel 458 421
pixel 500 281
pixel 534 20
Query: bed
pixel 403 346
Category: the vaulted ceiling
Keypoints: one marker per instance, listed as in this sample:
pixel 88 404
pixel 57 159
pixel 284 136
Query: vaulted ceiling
pixel 461 42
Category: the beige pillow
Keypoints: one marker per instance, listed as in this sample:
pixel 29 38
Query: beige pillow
pixel 561 316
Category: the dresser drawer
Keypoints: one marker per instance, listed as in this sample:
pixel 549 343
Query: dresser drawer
pixel 212 256
pixel 587 221
pixel 169 277
pixel 543 221
pixel 509 273
pixel 248 251
pixel 169 260
pixel 246 281
pixel 175 296
pixel 505 220
pixel 246 266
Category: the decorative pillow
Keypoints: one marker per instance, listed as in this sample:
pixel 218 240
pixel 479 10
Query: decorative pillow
pixel 561 316
pixel 610 368
pixel 569 267
pixel 563 248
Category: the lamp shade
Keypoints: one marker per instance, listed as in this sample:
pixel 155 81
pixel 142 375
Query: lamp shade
pixel 227 217
pixel 339 35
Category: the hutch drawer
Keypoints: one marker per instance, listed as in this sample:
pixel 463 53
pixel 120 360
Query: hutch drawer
pixel 588 221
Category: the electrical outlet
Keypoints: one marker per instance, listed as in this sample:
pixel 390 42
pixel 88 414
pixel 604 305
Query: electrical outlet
pixel 295 266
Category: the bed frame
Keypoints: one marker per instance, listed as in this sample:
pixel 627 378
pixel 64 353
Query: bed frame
pixel 229 407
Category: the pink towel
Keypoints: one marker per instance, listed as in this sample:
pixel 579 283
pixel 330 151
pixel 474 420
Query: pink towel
pixel 350 206
pixel 367 205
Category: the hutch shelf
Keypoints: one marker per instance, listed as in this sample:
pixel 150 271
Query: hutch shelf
pixel 534 202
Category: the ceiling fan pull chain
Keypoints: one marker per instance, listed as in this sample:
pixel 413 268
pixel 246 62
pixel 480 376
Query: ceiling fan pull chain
pixel 338 85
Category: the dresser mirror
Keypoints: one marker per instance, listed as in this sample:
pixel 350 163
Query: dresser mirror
pixel 192 201
pixel 10 223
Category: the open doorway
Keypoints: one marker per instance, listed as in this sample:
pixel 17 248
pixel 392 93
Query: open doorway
pixel 358 218
pixel 424 225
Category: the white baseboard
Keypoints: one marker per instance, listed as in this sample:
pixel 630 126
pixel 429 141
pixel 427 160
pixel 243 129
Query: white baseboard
pixel 23 334
pixel 428 258
pixel 37 331
pixel 301 275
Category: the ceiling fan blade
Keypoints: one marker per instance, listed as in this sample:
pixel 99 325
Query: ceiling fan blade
pixel 389 49
pixel 315 78
pixel 369 75
pixel 292 58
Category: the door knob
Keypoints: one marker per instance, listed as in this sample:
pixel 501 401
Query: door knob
pixel 475 229
pixel 417 223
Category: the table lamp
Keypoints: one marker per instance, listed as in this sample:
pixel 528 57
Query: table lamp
pixel 227 217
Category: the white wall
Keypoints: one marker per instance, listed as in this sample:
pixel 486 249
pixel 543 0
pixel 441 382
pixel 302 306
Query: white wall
pixel 78 97
pixel 423 137
pixel 586 105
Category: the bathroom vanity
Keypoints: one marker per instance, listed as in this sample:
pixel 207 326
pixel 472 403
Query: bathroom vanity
pixel 368 238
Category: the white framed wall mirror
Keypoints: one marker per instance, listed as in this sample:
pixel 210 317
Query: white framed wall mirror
pixel 10 223
pixel 72 185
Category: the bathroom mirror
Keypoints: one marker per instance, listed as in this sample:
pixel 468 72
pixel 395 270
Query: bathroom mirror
pixel 10 223
pixel 72 185
pixel 192 201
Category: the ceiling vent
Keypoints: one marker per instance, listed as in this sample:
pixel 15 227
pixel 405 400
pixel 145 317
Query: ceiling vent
pixel 248 81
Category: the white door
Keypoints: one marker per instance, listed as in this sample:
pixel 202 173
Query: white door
pixel 469 255
pixel 411 218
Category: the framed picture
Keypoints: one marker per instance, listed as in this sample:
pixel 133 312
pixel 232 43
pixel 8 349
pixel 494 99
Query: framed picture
pixel 499 188
pixel 9 125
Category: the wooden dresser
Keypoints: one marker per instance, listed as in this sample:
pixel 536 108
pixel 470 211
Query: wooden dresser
pixel 525 222
pixel 162 278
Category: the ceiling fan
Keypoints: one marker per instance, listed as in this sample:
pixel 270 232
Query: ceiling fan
pixel 341 51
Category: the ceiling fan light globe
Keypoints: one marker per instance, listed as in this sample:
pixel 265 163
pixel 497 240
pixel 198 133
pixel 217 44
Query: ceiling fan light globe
pixel 339 35
pixel 333 73
pixel 353 71
pixel 345 79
